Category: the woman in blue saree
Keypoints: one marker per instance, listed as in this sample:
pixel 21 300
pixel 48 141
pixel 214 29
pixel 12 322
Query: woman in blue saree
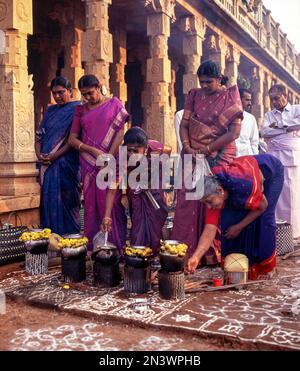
pixel 58 163
pixel 243 195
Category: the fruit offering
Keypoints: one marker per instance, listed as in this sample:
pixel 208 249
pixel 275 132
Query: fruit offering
pixel 143 253
pixel 173 248
pixel 71 242
pixel 36 235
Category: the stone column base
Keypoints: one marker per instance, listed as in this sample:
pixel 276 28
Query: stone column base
pixel 27 207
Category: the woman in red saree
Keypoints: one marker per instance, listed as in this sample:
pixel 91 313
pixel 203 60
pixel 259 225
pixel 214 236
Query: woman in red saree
pixel 243 195
pixel 211 123
pixel 98 128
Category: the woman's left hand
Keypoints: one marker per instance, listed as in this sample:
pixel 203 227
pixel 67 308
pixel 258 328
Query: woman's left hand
pixel 52 157
pixel 202 149
pixel 233 231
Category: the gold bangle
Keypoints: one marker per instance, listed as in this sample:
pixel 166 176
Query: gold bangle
pixel 80 145
pixel 108 218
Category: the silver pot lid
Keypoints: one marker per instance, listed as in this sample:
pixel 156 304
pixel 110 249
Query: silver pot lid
pixel 171 242
pixel 139 247
pixel 73 236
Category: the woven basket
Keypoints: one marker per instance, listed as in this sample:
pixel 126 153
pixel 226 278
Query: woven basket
pixel 284 238
pixel 11 249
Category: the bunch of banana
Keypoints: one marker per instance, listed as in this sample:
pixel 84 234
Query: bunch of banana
pixel 35 236
pixel 72 242
pixel 144 253
pixel 178 249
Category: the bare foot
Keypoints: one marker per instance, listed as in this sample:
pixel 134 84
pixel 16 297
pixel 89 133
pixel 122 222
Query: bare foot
pixel 267 276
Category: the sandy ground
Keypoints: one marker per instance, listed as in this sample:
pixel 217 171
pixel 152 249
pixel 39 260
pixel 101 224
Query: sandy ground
pixel 24 327
pixel 27 325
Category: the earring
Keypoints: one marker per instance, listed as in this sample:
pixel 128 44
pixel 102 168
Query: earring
pixel 103 90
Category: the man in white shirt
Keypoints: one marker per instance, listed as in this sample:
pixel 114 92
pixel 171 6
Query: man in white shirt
pixel 281 130
pixel 177 121
pixel 247 142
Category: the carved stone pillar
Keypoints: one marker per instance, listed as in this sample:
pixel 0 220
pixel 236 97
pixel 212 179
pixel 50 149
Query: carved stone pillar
pixel 217 50
pixel 258 92
pixel 277 38
pixel 268 28
pixel 48 49
pixel 172 99
pixel 267 87
pixel 71 39
pixel 291 97
pixel 118 84
pixel 232 65
pixel 73 68
pixel 194 29
pixel 17 157
pixel 157 122
pixel 97 42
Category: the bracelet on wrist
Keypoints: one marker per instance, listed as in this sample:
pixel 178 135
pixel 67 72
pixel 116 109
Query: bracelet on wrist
pixel 80 145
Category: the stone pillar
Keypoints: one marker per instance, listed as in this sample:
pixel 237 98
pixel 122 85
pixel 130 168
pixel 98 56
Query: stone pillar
pixel 157 122
pixel 290 97
pixel 118 84
pixel 268 28
pixel 71 26
pixel 277 38
pixel 235 7
pixel 267 87
pixel 172 96
pixel 217 50
pixel 47 50
pixel 17 156
pixel 258 91
pixel 97 41
pixel 73 68
pixel 232 65
pixel 194 29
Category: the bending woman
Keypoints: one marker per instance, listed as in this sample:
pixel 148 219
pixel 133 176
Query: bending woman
pixel 243 195
pixel 98 128
pixel 147 221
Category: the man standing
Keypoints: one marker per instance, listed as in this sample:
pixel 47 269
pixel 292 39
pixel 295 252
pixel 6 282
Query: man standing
pixel 247 142
pixel 281 130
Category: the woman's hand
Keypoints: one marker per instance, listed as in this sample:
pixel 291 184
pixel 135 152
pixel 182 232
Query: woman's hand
pixel 202 149
pixel 106 225
pixel 52 157
pixel 96 152
pixel 192 264
pixel 44 159
pixel 233 231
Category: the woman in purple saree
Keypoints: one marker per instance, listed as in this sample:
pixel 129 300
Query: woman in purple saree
pixel 146 219
pixel 58 164
pixel 98 128
pixel 211 123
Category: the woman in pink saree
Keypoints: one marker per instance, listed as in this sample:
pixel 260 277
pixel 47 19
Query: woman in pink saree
pixel 211 122
pixel 98 128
